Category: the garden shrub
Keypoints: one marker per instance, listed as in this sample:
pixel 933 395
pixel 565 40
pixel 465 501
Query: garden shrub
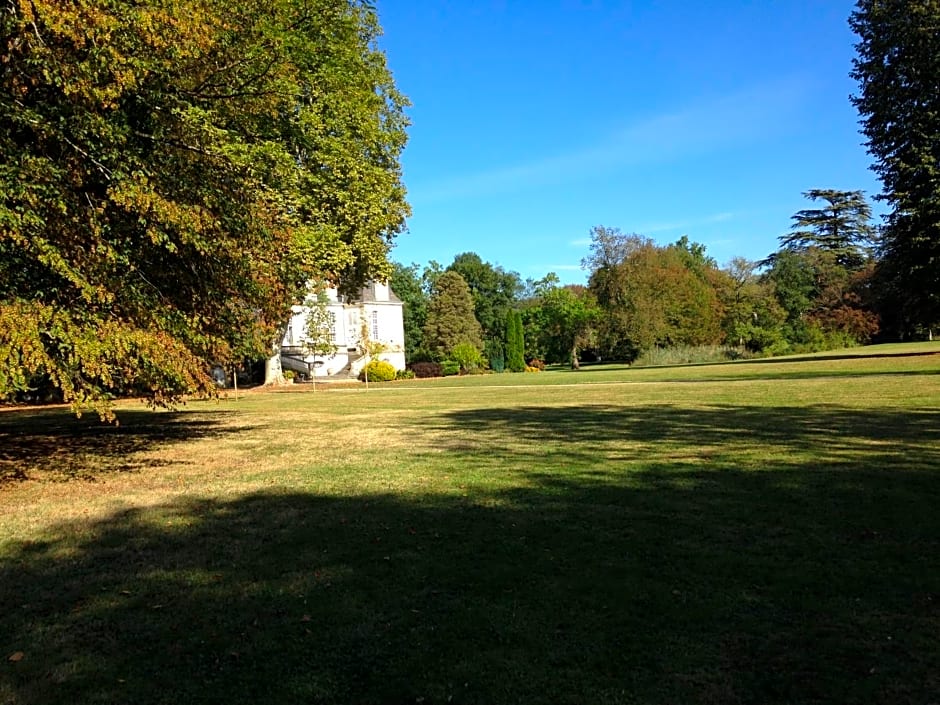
pixel 378 371
pixel 405 374
pixel 423 370
pixel 467 356
pixel 449 368
pixel 538 364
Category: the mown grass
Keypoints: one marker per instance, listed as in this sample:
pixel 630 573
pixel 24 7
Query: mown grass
pixel 761 532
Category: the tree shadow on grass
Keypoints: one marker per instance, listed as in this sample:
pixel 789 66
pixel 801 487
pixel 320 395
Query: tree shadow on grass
pixel 53 445
pixel 603 434
pixel 681 583
pixel 783 361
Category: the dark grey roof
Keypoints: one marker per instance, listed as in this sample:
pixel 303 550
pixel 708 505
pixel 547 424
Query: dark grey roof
pixel 367 295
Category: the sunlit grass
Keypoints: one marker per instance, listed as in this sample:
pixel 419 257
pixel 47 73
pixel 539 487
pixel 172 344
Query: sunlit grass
pixel 747 532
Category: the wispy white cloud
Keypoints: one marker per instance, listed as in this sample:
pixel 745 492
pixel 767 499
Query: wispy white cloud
pixel 737 119
pixel 561 267
pixel 651 228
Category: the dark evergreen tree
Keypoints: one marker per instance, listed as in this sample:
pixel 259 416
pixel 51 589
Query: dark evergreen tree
pixel 450 317
pixel 897 68
pixel 842 227
pixel 515 342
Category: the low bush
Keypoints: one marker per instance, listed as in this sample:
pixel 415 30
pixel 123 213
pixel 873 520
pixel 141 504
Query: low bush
pixel 423 370
pixel 378 371
pixel 449 368
pixel 536 363
pixel 682 355
pixel 405 374
pixel 467 356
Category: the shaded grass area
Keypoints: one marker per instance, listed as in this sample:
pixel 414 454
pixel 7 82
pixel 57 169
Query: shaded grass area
pixel 59 447
pixel 756 542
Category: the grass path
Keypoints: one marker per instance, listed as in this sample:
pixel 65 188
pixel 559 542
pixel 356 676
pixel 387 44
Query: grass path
pixel 762 532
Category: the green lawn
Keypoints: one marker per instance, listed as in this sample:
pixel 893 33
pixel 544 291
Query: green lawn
pixel 753 532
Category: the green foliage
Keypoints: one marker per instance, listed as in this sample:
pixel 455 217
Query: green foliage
pixel 494 291
pixel 467 356
pixel 319 324
pixel 378 371
pixel 821 274
pixel 407 285
pixel 174 174
pixel 404 374
pixel 449 368
pixel 450 318
pixel 495 354
pixel 897 64
pixel 569 317
pixel 515 342
pixel 842 226
pixel 751 316
pixel 652 295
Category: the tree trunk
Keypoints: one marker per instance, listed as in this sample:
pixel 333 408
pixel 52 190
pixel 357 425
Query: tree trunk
pixel 273 374
pixel 575 364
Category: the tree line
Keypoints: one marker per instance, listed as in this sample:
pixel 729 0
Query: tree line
pixel 815 292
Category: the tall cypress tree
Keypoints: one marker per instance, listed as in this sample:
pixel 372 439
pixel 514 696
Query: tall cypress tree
pixel 515 342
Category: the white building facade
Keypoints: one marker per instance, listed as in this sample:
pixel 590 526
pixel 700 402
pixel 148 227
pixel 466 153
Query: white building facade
pixel 375 311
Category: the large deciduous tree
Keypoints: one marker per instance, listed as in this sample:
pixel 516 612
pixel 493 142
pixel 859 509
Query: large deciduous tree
pixel 651 295
pixel 897 65
pixel 570 315
pixel 174 173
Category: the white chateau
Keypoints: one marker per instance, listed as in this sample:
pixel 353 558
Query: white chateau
pixel 376 306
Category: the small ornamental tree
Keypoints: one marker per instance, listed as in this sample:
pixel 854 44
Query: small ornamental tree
pixel 318 327
pixel 468 356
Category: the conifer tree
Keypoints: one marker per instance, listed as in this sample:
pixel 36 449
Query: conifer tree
pixel 450 318
pixel 515 342
pixel 897 68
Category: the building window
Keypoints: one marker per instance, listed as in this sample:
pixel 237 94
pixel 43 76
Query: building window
pixel 375 325
pixel 334 334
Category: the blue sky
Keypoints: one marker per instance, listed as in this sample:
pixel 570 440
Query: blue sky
pixel 534 120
